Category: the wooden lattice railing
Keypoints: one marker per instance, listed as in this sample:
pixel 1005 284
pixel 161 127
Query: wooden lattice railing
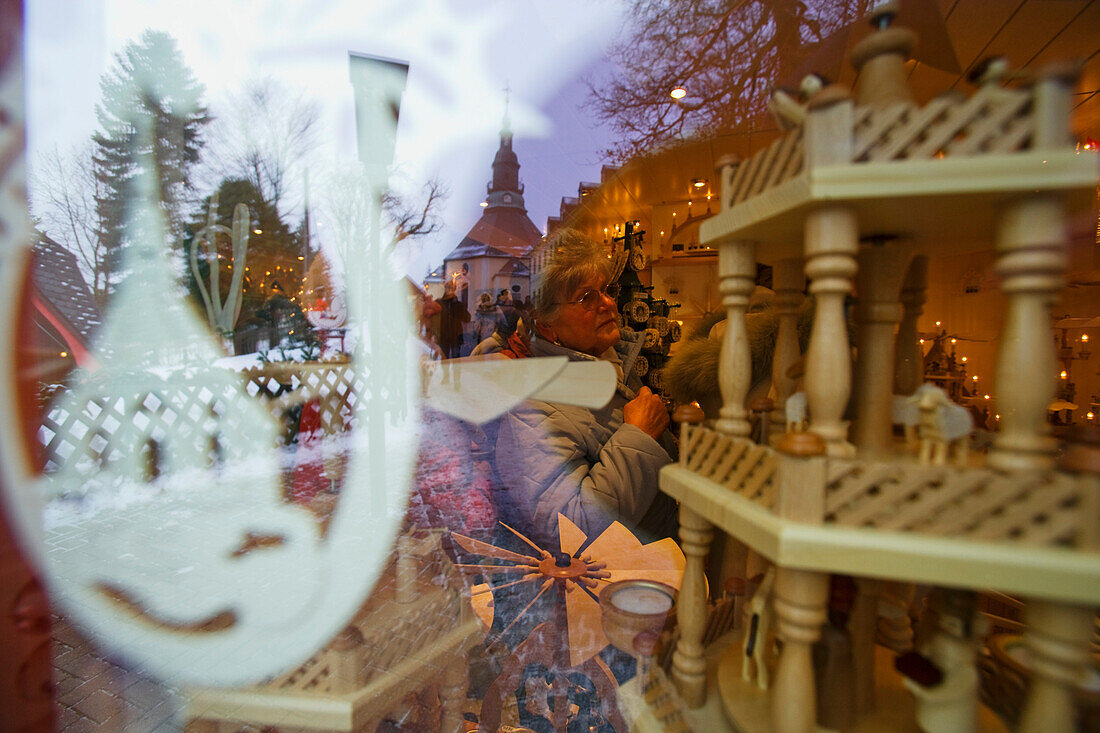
pixel 742 466
pixel 194 410
pixel 775 164
pixel 993 120
pixel 1036 508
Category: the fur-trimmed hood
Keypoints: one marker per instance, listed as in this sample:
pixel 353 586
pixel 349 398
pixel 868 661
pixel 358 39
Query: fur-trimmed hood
pixel 692 373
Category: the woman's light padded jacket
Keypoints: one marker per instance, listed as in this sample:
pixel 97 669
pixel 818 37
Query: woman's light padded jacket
pixel 586 464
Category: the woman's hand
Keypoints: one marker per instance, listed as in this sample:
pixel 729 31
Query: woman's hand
pixel 646 411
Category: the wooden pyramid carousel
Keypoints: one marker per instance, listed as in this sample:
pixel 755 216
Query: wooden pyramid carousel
pixel 856 196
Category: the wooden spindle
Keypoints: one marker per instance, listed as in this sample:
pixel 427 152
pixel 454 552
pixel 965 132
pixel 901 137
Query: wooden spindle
pixel 880 58
pixel 1031 260
pixel 725 169
pixel 831 243
pixel 1057 639
pixel 881 270
pixel 895 628
pixel 789 282
pixel 832 240
pixel 909 359
pixel 761 409
pixel 348 667
pixel 737 276
pixel 688 665
pixel 800 595
pixel 1031 257
pixel 1058 635
pixel 687 415
pixel 862 625
pixel 1053 96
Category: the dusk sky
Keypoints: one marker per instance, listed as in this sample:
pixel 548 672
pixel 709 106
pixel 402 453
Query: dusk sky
pixel 462 54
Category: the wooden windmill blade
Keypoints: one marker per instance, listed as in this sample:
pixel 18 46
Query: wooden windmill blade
pixel 625 558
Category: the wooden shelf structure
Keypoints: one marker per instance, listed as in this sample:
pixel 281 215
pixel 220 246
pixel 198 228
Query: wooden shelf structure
pixel 411 636
pixel 856 197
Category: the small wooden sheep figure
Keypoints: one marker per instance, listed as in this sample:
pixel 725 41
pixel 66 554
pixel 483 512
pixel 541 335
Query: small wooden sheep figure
pixel 943 427
pixel 795 409
pixel 904 412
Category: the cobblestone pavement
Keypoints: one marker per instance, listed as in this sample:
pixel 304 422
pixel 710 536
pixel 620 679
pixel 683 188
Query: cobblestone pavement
pixel 94 693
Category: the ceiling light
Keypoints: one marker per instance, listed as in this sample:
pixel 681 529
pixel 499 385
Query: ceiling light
pixel 699 182
pixel 678 93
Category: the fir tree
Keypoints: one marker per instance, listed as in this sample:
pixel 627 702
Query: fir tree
pixel 151 110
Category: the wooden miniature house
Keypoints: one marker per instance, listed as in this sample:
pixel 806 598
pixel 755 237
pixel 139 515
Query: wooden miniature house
pixel 856 198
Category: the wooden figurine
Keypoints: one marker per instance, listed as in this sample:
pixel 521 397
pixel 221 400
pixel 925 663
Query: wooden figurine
pixel 944 427
pixel 951 704
pixel 757 627
pixel 796 412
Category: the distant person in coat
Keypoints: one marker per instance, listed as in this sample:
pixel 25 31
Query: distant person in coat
pixel 452 319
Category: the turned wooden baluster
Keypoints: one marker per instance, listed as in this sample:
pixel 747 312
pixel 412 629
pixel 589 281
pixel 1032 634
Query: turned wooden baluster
pixel 800 595
pixel 895 628
pixel 909 361
pixel 349 660
pixel 831 243
pixel 687 415
pixel 688 665
pixel 736 279
pixel 1031 259
pixel 1058 634
pixel 862 625
pixel 789 282
pixel 880 59
pixel 881 270
pixel 832 240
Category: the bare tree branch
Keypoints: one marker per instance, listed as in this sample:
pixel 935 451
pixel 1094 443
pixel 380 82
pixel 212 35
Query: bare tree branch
pixel 727 55
pixel 265 135
pixel 64 191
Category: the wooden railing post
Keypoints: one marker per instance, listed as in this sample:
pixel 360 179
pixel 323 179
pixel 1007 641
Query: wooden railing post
pixel 1057 639
pixel 349 660
pixel 688 665
pixel 909 359
pixel 881 270
pixel 1031 260
pixel 737 276
pixel 800 595
pixel 789 281
pixel 862 626
pixel 1058 635
pixel 832 241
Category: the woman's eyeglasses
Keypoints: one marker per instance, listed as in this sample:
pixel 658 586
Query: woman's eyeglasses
pixel 590 300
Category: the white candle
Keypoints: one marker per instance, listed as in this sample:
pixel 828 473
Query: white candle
pixel 641 600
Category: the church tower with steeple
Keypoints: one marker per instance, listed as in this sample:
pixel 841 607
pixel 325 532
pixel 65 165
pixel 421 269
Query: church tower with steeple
pixel 494 255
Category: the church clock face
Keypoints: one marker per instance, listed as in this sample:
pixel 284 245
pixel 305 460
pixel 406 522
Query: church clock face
pixel 637 259
pixel 507 198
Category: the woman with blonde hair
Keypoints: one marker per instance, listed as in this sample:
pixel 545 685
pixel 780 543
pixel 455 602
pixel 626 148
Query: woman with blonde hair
pixel 593 466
